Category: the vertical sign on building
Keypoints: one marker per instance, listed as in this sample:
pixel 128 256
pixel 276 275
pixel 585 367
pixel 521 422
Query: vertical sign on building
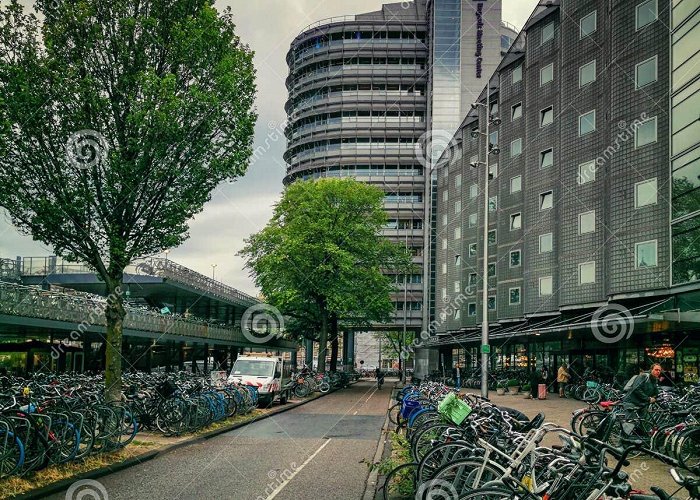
pixel 479 36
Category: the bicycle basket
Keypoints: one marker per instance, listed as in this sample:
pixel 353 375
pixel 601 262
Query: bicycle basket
pixel 454 409
pixel 592 384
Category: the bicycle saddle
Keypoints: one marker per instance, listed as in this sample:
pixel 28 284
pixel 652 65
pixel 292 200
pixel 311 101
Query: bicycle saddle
pixel 684 480
pixel 535 423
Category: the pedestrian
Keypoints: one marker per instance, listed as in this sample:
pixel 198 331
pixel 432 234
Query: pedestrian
pixel 457 375
pixel 562 379
pixel 377 372
pixel 545 376
pixel 534 382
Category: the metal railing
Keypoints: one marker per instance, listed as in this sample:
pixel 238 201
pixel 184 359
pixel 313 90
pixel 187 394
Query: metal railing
pixel 159 267
pixel 165 268
pixel 88 310
pixel 9 270
pixel 328 20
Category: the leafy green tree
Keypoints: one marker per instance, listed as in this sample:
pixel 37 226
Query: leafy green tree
pixel 117 120
pixel 322 260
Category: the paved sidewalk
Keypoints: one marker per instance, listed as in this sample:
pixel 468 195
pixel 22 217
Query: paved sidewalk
pixel 646 471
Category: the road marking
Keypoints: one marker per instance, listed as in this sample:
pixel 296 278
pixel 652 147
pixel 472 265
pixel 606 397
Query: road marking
pixel 296 471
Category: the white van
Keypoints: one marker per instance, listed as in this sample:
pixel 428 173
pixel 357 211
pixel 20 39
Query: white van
pixel 268 374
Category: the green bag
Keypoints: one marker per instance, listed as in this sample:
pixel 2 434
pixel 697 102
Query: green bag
pixel 454 408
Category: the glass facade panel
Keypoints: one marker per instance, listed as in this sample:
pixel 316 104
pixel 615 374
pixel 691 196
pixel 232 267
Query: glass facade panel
pixel 546 285
pixel 686 251
pixel 589 24
pixel 586 273
pixel 516 184
pixel 586 172
pixel 546 158
pixel 645 193
pixel 517 73
pixel 645 254
pixel 686 184
pixel 545 242
pixel 646 72
pixel 645 133
pixel 547 74
pixel 586 74
pixel 586 123
pixel 646 13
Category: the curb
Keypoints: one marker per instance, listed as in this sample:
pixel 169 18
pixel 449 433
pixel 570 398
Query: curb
pixel 64 484
pixel 371 487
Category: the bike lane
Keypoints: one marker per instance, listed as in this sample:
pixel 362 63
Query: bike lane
pixel 318 449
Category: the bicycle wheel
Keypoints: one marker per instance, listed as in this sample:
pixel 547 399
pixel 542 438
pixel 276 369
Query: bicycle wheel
pixel 400 482
pixel 425 438
pixel 440 456
pixel 490 494
pixel 395 415
pixel 11 453
pixel 688 449
pixel 468 474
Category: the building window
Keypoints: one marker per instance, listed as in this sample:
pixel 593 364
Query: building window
pixel 586 123
pixel 516 184
pixel 586 273
pixel 458 233
pixel 492 303
pixel 458 206
pixel 471 309
pixel 458 261
pixel 646 72
pixel 493 203
pixel 586 222
pixel 586 74
pixel 546 116
pixel 588 24
pixel 516 147
pixel 546 243
pixel 472 280
pixel 547 74
pixel 444 243
pixel 444 268
pixel 472 220
pixel 458 180
pixel 515 258
pixel 517 73
pixel 546 200
pixel 515 221
pixel 645 133
pixel 545 286
pixel 444 219
pixel 493 138
pixel 547 32
pixel 586 172
pixel 645 193
pixel 647 13
pixel 516 111
pixel 457 287
pixel 444 294
pixel 458 314
pixel 492 270
pixel 514 296
pixel 445 195
pixel 645 254
pixel 492 237
pixel 472 250
pixel 473 191
pixel 546 158
pixel 493 171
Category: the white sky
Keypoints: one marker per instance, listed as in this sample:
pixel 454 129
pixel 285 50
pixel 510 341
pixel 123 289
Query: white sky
pixel 244 207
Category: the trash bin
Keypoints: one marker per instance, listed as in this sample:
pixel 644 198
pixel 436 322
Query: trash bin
pixel 542 391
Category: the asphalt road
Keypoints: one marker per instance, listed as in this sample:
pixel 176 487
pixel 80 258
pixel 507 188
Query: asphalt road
pixel 319 450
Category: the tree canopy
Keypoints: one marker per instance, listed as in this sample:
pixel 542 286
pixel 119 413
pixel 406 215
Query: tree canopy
pixel 322 259
pixel 117 120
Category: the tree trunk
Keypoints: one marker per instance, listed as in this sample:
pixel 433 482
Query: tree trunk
pixel 334 342
pixel 323 342
pixel 115 314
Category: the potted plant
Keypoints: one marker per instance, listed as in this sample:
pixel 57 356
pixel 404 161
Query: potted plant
pixel 526 388
pixel 500 389
pixel 513 386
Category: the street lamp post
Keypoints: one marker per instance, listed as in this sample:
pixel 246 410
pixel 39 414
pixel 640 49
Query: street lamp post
pixel 485 349
pixel 213 269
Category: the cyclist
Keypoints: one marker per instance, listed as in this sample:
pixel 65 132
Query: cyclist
pixel 380 378
pixel 641 393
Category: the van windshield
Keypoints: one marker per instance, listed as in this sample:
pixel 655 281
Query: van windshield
pixel 255 368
